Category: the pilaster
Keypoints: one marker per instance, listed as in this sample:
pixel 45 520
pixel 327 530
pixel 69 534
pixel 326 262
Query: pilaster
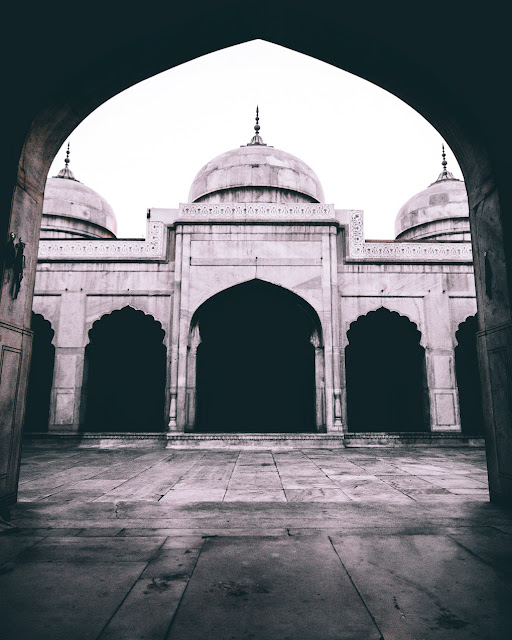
pixel 69 364
pixel 440 365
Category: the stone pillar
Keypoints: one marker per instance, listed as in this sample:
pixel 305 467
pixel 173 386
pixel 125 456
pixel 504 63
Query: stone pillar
pixel 195 341
pixel 16 335
pixel 319 383
pixel 440 365
pixel 337 425
pixel 175 332
pixel 180 331
pixel 331 335
pixel 69 364
pixel 183 338
pixel 491 257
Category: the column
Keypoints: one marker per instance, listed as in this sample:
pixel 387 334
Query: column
pixel 69 364
pixel 195 341
pixel 440 365
pixel 319 383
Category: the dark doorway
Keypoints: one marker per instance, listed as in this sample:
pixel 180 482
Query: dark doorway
pixel 385 366
pixel 468 378
pixel 40 380
pixel 255 364
pixel 124 377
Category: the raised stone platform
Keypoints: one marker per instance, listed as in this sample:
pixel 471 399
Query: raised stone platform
pixel 253 440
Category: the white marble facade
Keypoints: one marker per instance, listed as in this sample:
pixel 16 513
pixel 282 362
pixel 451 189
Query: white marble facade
pixel 288 238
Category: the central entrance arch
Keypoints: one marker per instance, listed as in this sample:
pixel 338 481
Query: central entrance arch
pixel 253 350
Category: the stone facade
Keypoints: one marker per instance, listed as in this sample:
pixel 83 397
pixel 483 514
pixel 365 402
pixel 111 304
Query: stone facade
pixel 204 248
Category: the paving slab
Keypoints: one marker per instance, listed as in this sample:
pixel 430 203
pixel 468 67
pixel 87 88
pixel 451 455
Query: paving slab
pixel 316 494
pixel 62 601
pixel 91 550
pixel 492 546
pixel 148 609
pixel 426 587
pixel 414 524
pixel 261 588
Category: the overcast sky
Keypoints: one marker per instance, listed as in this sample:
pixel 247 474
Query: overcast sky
pixel 143 147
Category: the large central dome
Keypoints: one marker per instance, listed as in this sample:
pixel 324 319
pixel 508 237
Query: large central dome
pixel 256 173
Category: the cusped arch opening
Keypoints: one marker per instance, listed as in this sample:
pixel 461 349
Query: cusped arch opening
pixel 37 411
pixel 254 361
pixel 124 374
pixel 468 378
pixel 385 374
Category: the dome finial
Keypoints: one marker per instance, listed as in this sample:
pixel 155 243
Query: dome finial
pixel 256 139
pixel 66 172
pixel 445 174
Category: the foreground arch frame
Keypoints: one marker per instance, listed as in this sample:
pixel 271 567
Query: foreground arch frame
pixel 471 113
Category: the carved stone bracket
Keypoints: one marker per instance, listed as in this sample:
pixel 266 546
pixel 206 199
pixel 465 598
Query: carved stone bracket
pixel 361 251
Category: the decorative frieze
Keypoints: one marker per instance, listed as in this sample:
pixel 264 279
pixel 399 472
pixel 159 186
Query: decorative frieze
pixel 154 247
pixel 361 251
pixel 265 212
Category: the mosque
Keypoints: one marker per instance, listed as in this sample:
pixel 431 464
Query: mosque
pixel 255 310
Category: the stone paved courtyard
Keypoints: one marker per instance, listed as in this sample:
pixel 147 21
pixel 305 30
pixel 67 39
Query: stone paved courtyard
pixel 153 543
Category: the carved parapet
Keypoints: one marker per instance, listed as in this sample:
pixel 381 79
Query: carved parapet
pixel 153 248
pixel 361 251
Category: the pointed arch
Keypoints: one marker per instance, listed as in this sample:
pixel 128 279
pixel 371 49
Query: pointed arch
pixel 253 362
pixel 124 373
pixel 40 379
pixel 468 378
pixel 385 370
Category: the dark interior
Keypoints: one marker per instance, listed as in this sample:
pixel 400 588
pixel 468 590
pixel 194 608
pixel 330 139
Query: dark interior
pixel 255 363
pixel 468 379
pixel 124 380
pixel 37 410
pixel 385 366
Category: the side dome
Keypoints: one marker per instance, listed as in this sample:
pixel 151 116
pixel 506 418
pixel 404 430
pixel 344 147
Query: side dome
pixel 73 210
pixel 256 173
pixel 439 213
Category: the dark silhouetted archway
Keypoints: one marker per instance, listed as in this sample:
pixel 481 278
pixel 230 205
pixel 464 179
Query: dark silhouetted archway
pixel 124 375
pixel 256 362
pixel 385 366
pixel 41 375
pixel 468 378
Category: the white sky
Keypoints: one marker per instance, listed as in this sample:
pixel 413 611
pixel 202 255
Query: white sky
pixel 143 147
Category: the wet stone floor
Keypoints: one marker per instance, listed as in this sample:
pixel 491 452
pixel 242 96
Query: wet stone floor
pixel 356 544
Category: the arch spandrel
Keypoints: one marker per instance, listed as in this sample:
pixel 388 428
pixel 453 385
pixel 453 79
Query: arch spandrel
pixel 117 303
pixel 410 309
pixel 215 288
pixel 117 313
